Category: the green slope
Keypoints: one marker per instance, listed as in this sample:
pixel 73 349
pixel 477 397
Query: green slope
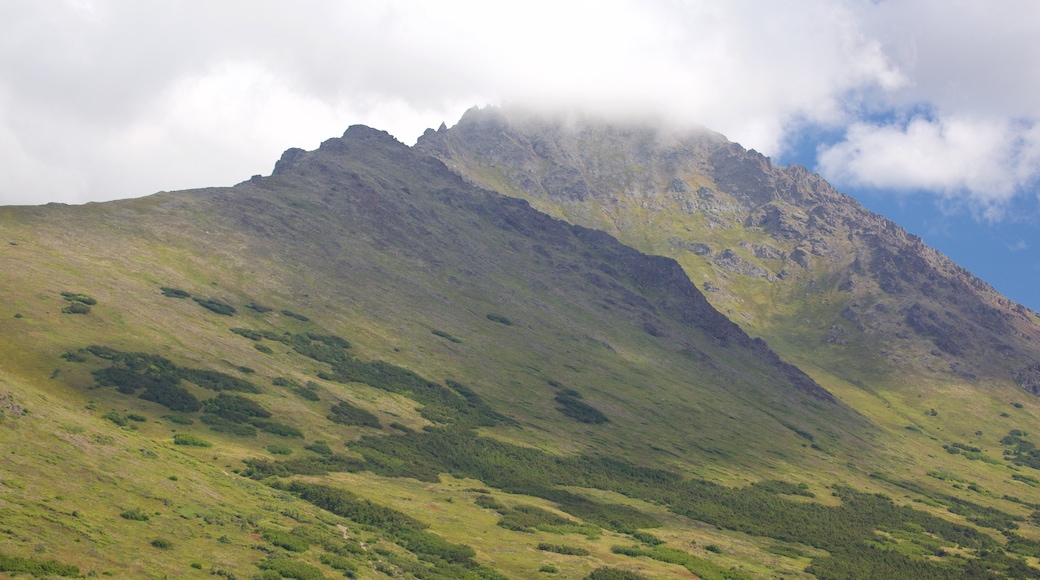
pixel 512 393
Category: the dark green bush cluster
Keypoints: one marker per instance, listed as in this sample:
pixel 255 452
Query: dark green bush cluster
pixel 115 417
pixel 320 447
pixel 445 335
pixel 78 298
pixel 487 502
pixel 784 488
pixel 1019 450
pixel 135 514
pixel 160 378
pixel 76 308
pixel 235 408
pixel 292 314
pixel 572 406
pixel 73 356
pixel 36 567
pixel 162 544
pixel 347 414
pixel 563 549
pixel 286 540
pixel 705 569
pixel 279 450
pixel 409 533
pixel 248 333
pixel 276 428
pixel 258 308
pixel 178 420
pixel 337 562
pixel 608 573
pixel 647 538
pixel 528 518
pixel 287 568
pixel 215 306
pixel 190 440
pixel 261 468
pixel 499 319
pixel 173 292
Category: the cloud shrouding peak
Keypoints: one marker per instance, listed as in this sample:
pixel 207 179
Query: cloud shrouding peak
pixel 101 99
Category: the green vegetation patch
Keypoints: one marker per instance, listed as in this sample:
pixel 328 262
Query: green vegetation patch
pixel 608 573
pixel 215 306
pixel 36 567
pixel 528 518
pixel 445 335
pixel 347 414
pixel 292 314
pixel 173 292
pixel 572 406
pixel 563 549
pixel 450 560
pixel 76 308
pixel 80 298
pixel 190 440
pixel 704 569
pixel 499 319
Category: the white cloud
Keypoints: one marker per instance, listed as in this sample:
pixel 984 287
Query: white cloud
pixel 101 99
pixel 986 161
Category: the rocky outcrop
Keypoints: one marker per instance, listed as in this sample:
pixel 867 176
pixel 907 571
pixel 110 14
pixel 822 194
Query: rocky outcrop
pixel 802 235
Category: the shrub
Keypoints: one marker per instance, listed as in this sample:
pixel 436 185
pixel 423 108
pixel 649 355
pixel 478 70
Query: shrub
pixel 579 410
pixel 222 425
pixel 286 540
pixel 563 549
pixel 115 417
pixel 76 308
pixel 134 514
pixel 162 544
pixel 81 298
pixel 320 447
pixel 174 292
pixel 347 414
pixel 549 569
pixel 500 319
pixel 235 408
pixel 306 393
pixel 258 307
pixel 292 569
pixel 276 428
pixel 613 574
pixel 35 567
pixel 179 420
pixel 488 502
pixel 443 334
pixel 713 548
pixel 263 348
pixel 73 356
pixel 190 440
pixel 248 333
pixel 279 450
pixel 292 314
pixel 647 538
pixel 284 382
pixel 215 306
pixel 136 417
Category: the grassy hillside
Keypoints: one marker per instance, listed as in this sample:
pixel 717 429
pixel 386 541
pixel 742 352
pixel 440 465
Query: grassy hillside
pixel 363 366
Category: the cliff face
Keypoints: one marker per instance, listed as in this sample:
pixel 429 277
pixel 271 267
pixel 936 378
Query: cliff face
pixel 777 249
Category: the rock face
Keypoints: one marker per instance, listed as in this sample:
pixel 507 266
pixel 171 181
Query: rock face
pixel 777 246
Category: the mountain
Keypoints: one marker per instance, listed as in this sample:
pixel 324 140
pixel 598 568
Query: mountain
pixel 778 249
pixel 373 363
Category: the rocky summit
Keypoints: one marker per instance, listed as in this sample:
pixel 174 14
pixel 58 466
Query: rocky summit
pixel 530 346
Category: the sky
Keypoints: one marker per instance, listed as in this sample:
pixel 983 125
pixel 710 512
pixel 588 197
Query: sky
pixel 926 111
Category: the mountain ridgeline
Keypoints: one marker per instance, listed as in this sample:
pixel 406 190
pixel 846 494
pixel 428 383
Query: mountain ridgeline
pixel 789 258
pixel 380 362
